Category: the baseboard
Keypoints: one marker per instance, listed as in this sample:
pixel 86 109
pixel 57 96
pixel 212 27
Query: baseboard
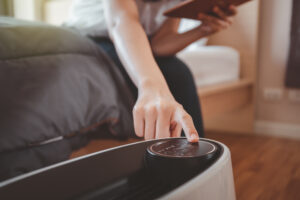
pixel 277 129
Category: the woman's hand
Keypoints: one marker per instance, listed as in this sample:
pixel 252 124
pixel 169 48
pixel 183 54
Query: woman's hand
pixel 157 115
pixel 167 41
pixel 223 20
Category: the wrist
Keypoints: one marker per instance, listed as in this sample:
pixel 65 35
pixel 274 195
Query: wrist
pixel 195 34
pixel 153 86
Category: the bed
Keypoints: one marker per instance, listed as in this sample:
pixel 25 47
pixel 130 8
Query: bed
pixel 212 64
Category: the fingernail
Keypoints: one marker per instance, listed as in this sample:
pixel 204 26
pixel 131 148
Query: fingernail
pixel 194 138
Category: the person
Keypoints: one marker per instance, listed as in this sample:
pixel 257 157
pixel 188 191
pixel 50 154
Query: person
pixel 143 44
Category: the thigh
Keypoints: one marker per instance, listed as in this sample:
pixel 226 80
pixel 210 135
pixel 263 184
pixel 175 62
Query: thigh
pixel 107 45
pixel 178 76
pixel 181 83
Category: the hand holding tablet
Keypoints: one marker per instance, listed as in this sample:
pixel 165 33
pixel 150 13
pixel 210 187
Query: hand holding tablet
pixel 190 9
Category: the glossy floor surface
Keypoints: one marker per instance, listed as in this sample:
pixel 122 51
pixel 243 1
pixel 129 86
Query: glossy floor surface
pixel 264 168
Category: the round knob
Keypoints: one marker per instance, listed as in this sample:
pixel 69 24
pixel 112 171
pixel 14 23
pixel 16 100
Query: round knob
pixel 181 148
pixel 177 158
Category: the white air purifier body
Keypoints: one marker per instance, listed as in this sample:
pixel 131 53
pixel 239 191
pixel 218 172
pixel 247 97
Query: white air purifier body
pixel 163 169
pixel 215 183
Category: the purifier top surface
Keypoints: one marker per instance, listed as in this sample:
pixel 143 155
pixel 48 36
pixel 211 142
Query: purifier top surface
pixel 181 148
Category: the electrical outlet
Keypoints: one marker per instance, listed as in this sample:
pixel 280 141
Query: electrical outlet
pixel 273 94
pixel 294 95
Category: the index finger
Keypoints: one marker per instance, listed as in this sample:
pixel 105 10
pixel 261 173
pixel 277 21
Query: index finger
pixel 186 121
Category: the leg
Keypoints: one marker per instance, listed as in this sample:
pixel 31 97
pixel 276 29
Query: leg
pixel 108 47
pixel 182 86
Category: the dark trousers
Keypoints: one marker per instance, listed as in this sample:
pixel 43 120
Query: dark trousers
pixel 177 75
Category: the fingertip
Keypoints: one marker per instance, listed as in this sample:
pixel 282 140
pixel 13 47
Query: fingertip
pixel 139 134
pixel 148 138
pixel 193 138
pixel 138 130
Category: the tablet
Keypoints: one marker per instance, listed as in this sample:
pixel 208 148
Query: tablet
pixel 191 8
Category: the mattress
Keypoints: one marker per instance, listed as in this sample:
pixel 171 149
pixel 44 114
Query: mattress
pixel 212 64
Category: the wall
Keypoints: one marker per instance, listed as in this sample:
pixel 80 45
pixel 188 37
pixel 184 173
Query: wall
pixel 282 116
pixel 28 9
pixel 50 11
pixel 56 11
pixel 242 35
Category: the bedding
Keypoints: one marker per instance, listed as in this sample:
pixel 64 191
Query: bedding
pixel 55 85
pixel 212 64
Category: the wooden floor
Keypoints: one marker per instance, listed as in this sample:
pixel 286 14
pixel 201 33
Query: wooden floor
pixel 264 168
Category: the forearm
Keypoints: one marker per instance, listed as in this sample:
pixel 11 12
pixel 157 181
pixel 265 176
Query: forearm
pixel 156 113
pixel 135 53
pixel 170 44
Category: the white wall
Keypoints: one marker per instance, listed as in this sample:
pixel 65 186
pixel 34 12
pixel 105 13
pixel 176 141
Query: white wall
pixel 242 35
pixel 28 9
pixel 56 11
pixel 274 38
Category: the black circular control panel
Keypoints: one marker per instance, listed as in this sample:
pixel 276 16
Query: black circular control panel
pixel 177 159
pixel 181 148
